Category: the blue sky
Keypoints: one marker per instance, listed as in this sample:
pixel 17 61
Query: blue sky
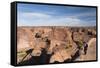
pixel 48 15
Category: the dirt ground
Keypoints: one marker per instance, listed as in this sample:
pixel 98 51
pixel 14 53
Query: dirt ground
pixel 91 52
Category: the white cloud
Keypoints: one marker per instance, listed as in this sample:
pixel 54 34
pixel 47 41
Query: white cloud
pixel 83 14
pixel 42 19
pixel 34 14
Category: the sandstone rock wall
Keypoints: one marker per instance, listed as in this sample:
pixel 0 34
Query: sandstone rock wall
pixel 62 41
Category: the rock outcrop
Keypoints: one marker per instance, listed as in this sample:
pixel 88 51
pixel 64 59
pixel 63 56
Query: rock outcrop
pixel 58 41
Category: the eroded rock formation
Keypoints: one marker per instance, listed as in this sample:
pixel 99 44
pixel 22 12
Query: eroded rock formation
pixel 58 41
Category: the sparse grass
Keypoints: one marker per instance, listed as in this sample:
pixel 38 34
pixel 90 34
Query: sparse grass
pixel 68 46
pixel 21 54
pixel 80 43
